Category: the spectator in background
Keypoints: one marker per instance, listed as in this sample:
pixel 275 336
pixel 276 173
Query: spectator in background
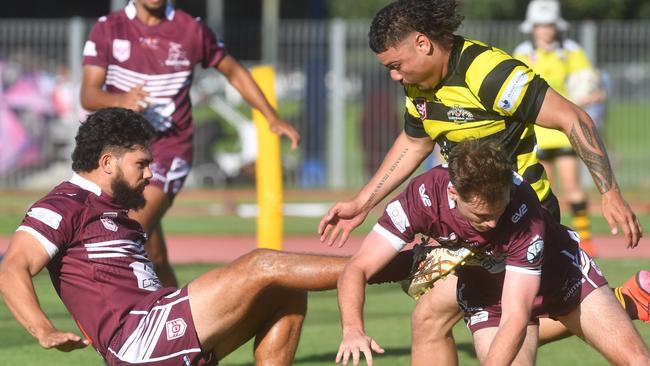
pixel 564 65
pixel 142 58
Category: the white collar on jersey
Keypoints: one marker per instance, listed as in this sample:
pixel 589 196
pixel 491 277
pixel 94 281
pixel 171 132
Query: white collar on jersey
pixel 452 203
pixel 85 184
pixel 130 10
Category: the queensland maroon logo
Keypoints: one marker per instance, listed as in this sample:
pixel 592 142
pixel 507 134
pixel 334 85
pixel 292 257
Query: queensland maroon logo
pixel 421 107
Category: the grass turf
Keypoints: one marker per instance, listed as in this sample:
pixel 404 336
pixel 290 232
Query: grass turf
pixel 387 320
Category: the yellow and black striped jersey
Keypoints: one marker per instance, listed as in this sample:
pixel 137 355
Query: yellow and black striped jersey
pixel 485 94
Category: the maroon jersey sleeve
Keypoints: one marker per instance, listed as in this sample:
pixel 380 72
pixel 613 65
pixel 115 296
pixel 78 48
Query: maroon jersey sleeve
pixel 50 220
pixel 412 212
pixel 98 46
pixel 213 48
pixel 525 242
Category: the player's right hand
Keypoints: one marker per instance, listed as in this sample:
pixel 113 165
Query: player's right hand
pixel 135 99
pixel 354 343
pixel 341 219
pixel 63 341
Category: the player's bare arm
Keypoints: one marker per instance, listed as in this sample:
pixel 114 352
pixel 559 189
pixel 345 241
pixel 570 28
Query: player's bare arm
pixel 559 113
pixel 24 259
pixel 94 97
pixel 374 254
pixel 242 80
pixel 402 159
pixel 519 291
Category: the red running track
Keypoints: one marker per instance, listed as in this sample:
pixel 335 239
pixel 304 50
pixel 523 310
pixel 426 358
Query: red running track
pixel 218 249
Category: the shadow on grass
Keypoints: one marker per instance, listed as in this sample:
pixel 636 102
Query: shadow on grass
pixel 466 348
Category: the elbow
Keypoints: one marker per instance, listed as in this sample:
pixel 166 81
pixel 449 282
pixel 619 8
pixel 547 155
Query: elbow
pixel 85 101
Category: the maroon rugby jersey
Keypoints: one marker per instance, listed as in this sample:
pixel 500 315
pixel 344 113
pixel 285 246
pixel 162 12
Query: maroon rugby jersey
pixel 161 56
pixel 526 238
pixel 98 265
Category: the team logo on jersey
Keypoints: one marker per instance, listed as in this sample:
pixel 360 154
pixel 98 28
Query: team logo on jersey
pixel 151 43
pixel 520 213
pixel 398 216
pixel 121 49
pixel 423 195
pixel 175 328
pixel 176 56
pixel 46 216
pixel 460 115
pixel 107 221
pixel 421 107
pixel 535 250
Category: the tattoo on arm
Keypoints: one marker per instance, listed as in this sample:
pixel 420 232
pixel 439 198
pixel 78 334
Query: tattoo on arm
pixel 591 150
pixel 380 185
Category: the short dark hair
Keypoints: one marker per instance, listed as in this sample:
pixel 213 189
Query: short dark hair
pixel 480 168
pixel 437 19
pixel 109 129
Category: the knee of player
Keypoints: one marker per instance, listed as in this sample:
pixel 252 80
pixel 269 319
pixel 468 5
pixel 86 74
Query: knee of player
pixel 261 263
pixel 431 323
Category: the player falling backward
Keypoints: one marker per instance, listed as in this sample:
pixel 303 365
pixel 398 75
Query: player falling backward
pixel 525 265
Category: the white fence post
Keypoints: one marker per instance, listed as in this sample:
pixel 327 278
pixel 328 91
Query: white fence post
pixel 336 105
pixel 76 38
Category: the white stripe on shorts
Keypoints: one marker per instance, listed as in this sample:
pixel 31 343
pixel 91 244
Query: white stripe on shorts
pixel 139 346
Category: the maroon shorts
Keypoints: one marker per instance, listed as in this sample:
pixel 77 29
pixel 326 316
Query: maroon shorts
pixel 159 333
pixel 563 288
pixel 172 162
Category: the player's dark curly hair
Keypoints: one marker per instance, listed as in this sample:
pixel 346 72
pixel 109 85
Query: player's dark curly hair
pixel 437 19
pixel 480 168
pixel 110 129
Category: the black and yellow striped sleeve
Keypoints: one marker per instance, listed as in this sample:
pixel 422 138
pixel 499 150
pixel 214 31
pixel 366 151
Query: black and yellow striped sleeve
pixel 506 85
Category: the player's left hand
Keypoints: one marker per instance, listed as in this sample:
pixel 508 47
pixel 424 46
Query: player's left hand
pixel 618 212
pixel 63 341
pixel 283 128
pixel 354 343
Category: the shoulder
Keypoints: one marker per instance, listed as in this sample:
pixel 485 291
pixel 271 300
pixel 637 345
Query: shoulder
pixel 187 20
pixel 524 48
pixel 66 198
pixel 57 208
pixel 571 45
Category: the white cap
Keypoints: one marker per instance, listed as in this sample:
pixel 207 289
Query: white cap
pixel 543 12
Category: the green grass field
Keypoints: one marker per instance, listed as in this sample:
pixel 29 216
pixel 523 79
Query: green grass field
pixel 387 320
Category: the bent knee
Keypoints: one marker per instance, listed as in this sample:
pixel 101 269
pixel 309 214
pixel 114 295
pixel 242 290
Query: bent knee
pixel 434 323
pixel 260 263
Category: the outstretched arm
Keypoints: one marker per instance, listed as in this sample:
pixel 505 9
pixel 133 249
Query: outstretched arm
pixel 401 161
pixel 374 254
pixel 242 80
pixel 25 258
pixel 559 113
pixel 519 291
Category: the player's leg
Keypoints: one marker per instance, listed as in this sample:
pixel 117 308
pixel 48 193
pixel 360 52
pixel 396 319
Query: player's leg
pixel 601 322
pixel 552 330
pixel 526 355
pixel 569 176
pixel 150 216
pixel 432 322
pixel 634 296
pixel 261 295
